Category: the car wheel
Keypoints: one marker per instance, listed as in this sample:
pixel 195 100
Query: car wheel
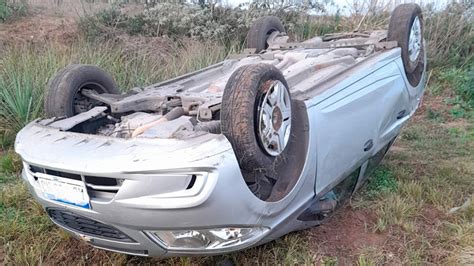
pixel 63 95
pixel 261 30
pixel 406 27
pixel 256 116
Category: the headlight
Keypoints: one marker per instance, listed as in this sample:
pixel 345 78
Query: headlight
pixel 208 239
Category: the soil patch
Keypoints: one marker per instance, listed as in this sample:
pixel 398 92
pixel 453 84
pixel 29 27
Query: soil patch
pixel 349 234
pixel 42 28
pixel 38 29
pixel 345 234
pixel 53 21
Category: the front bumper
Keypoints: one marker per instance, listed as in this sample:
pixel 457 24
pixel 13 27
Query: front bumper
pixel 155 192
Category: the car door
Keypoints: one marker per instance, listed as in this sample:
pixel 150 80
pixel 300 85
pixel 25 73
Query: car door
pixel 355 122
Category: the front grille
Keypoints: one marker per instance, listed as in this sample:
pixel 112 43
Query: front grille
pixel 86 226
pixel 102 188
pixel 63 174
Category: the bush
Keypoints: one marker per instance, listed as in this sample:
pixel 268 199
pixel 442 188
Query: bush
pixel 12 9
pixel 461 80
pixel 456 84
pixel 449 34
pixel 186 20
pixel 101 25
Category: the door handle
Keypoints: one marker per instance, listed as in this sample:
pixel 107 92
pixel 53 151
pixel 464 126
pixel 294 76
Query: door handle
pixel 368 145
pixel 401 114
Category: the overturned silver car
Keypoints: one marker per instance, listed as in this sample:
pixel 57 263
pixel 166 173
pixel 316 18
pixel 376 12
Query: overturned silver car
pixel 231 156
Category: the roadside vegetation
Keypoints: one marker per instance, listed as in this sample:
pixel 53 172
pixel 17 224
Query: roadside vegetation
pixel 11 9
pixel 409 205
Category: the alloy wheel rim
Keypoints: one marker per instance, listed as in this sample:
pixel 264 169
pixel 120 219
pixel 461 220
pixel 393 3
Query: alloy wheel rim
pixel 274 119
pixel 414 41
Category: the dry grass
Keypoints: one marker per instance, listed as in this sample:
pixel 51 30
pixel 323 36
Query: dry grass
pixel 449 34
pixel 433 166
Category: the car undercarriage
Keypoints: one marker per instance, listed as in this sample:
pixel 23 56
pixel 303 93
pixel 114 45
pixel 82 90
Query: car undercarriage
pixel 192 102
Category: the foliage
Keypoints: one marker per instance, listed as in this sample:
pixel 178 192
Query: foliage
pixel 204 23
pixel 12 9
pixel 10 163
pixel 434 115
pixel 101 24
pixel 456 84
pixel 382 181
pixel 461 80
pixel 449 33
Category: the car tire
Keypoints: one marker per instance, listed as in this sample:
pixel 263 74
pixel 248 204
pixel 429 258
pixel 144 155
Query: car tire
pixel 406 22
pixel 243 106
pixel 260 30
pixel 62 97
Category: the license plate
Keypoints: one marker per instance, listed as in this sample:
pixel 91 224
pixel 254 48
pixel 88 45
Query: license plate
pixel 68 191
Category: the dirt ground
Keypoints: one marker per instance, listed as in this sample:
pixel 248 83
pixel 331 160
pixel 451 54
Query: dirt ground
pixel 349 233
pixel 58 24
pixel 38 28
pixel 345 234
pixel 40 25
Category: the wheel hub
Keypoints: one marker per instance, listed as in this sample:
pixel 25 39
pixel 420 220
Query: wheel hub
pixel 82 103
pixel 277 118
pixel 274 119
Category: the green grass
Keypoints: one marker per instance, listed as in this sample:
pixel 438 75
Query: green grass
pixel 428 172
pixel 10 163
pixel 26 234
pixel 382 181
pixel 462 81
pixel 407 215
